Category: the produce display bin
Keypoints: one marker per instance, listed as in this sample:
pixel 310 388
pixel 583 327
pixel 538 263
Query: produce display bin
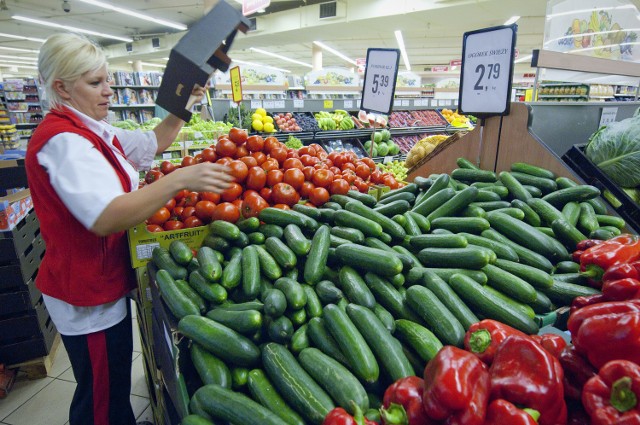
pixel 621 203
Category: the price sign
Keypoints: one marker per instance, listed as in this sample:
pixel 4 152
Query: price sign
pixel 380 75
pixel 268 104
pixel 255 104
pixel 327 104
pixel 236 84
pixel 298 103
pixel 608 115
pixel 487 70
pixel 348 104
pixel 279 104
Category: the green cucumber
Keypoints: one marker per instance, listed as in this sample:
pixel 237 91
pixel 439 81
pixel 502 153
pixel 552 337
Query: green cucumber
pixel 366 226
pixel 195 419
pixel 351 342
pixel 365 198
pixel 473 211
pixel 296 240
pixel 588 220
pixel 501 250
pixel 239 378
pixel 547 231
pixel 449 298
pixel 501 191
pixel 404 251
pixel 283 255
pixel 335 241
pixel 317 257
pixel 423 183
pixel 613 229
pixel 525 255
pixel 575 278
pixel 228 405
pixel 565 182
pixel 313 306
pixel 190 293
pixel 439 183
pixel 610 220
pixel 275 303
pixel 572 194
pixel 335 379
pixel 534 276
pixel 220 340
pixel 213 292
pixel 410 225
pixel 471 257
pixel 489 206
pixel 224 229
pixel 566 267
pixel 355 288
pixel 242 241
pixel 470 175
pixel 393 196
pixel 217 243
pixel 246 322
pixel 162 258
pixel 334 205
pixel 250 271
pixel 180 252
pixel 487 196
pixel 458 202
pixel 385 317
pixel 263 391
pixel 389 297
pixel 465 163
pixel 571 212
pixel 530 216
pixel 248 225
pixel 312 212
pixel 363 257
pixel 567 233
pixel 328 292
pixel 461 224
pixel 388 225
pixel 420 220
pixel 299 340
pixel 396 207
pixel 386 348
pixel 509 284
pixel 297 317
pixel 178 302
pixel 342 200
pixel 601 234
pixel 437 241
pixel 268 265
pixel 544 184
pixel 436 315
pixel 446 273
pixel 563 293
pixel 516 189
pixel 542 304
pixel 282 218
pixel 232 272
pixel 243 306
pixel 280 330
pixel 293 292
pixel 432 203
pixel 547 212
pixel 210 368
pixel 256 238
pixel 209 265
pixel 322 339
pixel 349 233
pixel 419 338
pixel 488 305
pixel 534 170
pixel 512 212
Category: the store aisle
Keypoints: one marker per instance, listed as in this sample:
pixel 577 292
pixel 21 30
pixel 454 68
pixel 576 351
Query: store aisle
pixel 46 401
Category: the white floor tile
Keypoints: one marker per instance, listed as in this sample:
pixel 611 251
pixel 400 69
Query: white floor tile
pixel 23 389
pixel 139 404
pixel 138 380
pixel 147 415
pixel 67 376
pixel 61 362
pixel 50 406
pixel 137 346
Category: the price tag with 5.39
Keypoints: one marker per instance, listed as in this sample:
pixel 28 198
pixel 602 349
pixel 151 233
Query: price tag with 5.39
pixel 381 72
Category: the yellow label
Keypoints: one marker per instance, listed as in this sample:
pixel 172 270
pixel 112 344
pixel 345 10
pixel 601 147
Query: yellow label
pixel 528 94
pixel 236 84
pixel 328 104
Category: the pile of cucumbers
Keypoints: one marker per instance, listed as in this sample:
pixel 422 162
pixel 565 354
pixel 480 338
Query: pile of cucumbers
pixel 294 312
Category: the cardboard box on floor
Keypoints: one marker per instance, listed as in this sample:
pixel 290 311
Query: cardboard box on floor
pixel 201 51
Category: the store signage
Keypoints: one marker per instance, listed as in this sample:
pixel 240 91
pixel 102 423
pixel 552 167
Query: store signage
pixel 487 70
pixel 255 104
pixel 348 104
pixel 252 6
pixel 380 75
pixel 440 68
pixel 360 63
pixel 236 84
pixel 328 104
pixel 455 62
pixel 608 115
pixel 298 103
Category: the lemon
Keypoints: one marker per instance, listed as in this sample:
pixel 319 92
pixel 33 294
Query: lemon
pixel 256 116
pixel 268 127
pixel 267 119
pixel 257 125
pixel 261 111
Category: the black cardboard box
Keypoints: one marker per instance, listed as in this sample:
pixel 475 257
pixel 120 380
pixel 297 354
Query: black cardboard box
pixel 201 51
pixel 16 241
pixel 15 274
pixel 29 348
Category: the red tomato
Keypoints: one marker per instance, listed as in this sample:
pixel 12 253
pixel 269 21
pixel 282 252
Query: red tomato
pixel 193 221
pixel 177 212
pixel 339 187
pixel 187 212
pixel 152 175
pixel 322 178
pixel 249 161
pixel 159 217
pixel 154 228
pixel 292 163
pixel 279 153
pixel 294 177
pixel 319 196
pixel 362 186
pixel 282 206
pixel 191 199
pixel 198 158
pixel 259 156
pixel 306 189
pixel 265 192
pixel 369 162
pixel 209 155
pixel 226 211
pixel 239 170
pixel 256 178
pixel 210 196
pixel 270 143
pixel 181 194
pixel 390 181
pixel 335 170
pixel 226 147
pixel 249 192
pixel 187 160
pixel 308 172
pixel 225 160
pixel 349 176
pixel 306 150
pixel 238 136
pixel 255 143
pixel 292 153
pixel 173 225
pixel 167 167
pixel 274 177
pixel 339 160
pixel 284 193
pixel 348 166
pixel 237 203
pixel 242 151
pixel 232 193
pixel 270 164
pixel 252 205
pixel 171 204
pixel 363 171
pixel 376 176
pixel 204 210
pixel 319 149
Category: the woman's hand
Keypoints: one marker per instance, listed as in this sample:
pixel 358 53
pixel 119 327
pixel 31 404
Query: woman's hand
pixel 205 177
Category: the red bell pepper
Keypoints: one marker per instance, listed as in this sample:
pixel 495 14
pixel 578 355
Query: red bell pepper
pixel 553 343
pixel 596 260
pixel 406 392
pixel 503 412
pixel 527 375
pixel 621 271
pixel 483 338
pixel 583 301
pixel 575 256
pixel 456 387
pixel 621 289
pixel 577 371
pixel 612 396
pixel 587 243
pixel 339 416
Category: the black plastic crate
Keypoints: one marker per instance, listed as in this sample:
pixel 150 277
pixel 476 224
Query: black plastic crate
pixel 14 274
pixel 22 299
pixel 15 242
pixel 626 207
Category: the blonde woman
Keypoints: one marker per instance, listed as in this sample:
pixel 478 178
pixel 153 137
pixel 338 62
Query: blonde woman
pixel 83 175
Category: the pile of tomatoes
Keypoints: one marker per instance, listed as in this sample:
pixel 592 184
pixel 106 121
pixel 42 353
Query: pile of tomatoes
pixel 266 173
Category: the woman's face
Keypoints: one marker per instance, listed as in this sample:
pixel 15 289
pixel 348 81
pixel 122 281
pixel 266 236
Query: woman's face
pixel 91 93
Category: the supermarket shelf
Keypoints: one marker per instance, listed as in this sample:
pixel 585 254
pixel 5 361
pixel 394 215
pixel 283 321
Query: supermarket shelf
pixel 569 96
pixel 131 106
pixel 135 87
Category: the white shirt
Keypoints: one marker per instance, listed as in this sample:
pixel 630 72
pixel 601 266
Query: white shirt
pixel 86 183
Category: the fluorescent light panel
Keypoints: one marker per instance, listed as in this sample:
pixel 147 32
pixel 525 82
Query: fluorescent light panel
pixel 335 52
pixel 17 49
pixel 523 59
pixel 18 58
pixel 403 51
pixel 10 65
pixel 512 20
pixel 19 37
pixel 66 27
pixel 261 65
pixel 275 55
pixel 136 14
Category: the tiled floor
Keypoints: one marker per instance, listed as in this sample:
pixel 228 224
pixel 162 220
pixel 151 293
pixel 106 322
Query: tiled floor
pixel 46 401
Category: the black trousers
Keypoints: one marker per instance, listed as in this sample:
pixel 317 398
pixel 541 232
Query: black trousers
pixel 101 364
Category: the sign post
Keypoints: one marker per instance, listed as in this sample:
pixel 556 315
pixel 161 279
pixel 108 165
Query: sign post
pixel 380 76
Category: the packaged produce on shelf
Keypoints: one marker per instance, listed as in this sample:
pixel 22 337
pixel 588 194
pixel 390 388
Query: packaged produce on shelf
pixel 338 120
pixel 457 120
pixel 423 148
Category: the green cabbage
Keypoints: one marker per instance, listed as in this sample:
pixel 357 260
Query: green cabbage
pixel 615 148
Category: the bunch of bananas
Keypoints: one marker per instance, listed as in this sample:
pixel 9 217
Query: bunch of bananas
pixel 338 120
pixel 423 148
pixel 397 168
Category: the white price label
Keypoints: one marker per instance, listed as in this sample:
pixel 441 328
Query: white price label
pixel 608 115
pixel 268 104
pixel 348 104
pixel 404 103
pixel 487 65
pixel 387 159
pixel 279 104
pixel 418 102
pixel 255 104
pixel 166 155
pixel 397 102
pixel 380 77
pixel 298 103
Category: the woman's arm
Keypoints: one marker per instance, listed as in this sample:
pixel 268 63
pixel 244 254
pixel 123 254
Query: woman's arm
pixel 130 209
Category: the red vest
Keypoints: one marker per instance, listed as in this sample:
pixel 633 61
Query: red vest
pixel 79 267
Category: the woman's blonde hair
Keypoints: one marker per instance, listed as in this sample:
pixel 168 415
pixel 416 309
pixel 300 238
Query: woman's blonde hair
pixel 67 57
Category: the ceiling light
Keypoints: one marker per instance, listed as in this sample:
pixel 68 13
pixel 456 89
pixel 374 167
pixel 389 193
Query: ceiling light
pixel 18 61
pixel 17 49
pixel 66 27
pixel 136 14
pixel 284 58
pixel 158 65
pixel 335 52
pixel 19 58
pixel 403 51
pixel 8 65
pixel 260 65
pixel 19 37
pixel 512 20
